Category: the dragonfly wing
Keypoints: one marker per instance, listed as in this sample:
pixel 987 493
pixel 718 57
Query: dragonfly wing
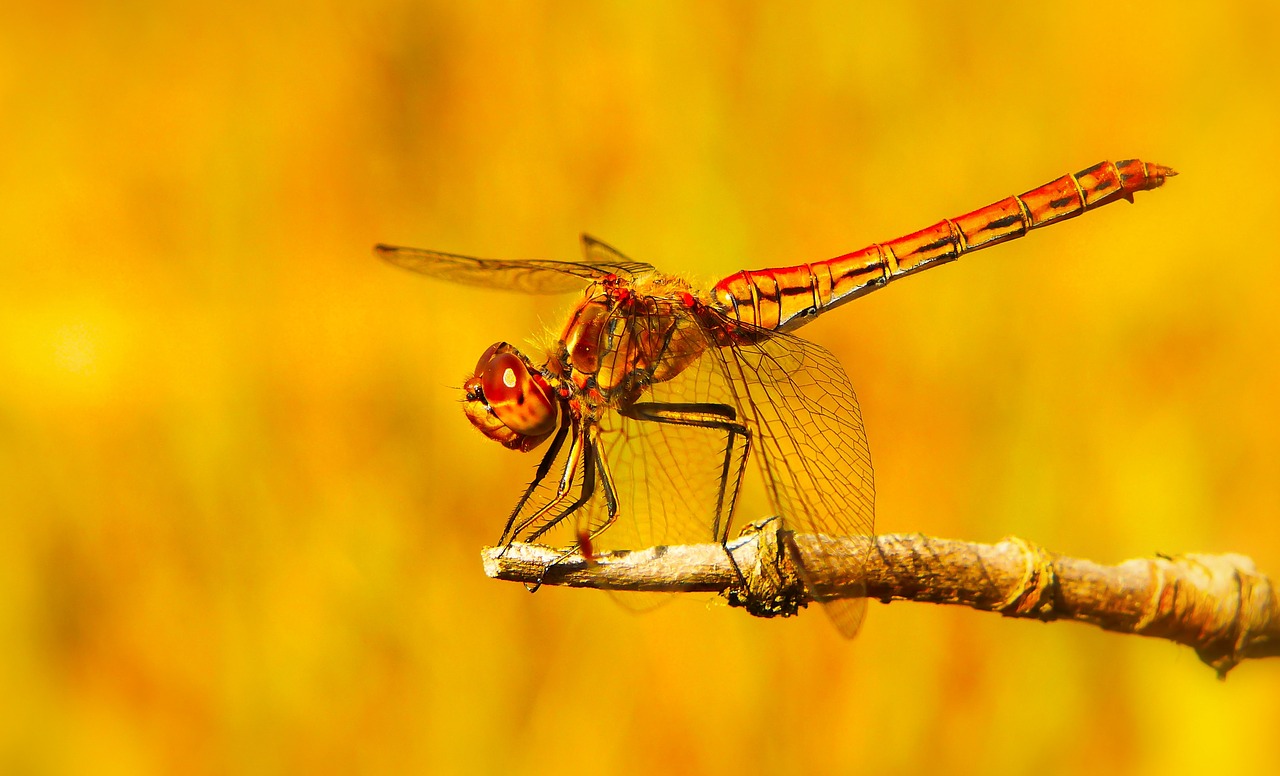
pixel 600 254
pixel 530 277
pixel 812 451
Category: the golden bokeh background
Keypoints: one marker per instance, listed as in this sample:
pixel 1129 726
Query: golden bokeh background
pixel 242 511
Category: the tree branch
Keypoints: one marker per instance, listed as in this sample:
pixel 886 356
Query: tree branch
pixel 1219 605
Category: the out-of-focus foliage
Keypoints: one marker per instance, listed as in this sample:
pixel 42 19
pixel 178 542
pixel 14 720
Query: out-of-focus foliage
pixel 241 509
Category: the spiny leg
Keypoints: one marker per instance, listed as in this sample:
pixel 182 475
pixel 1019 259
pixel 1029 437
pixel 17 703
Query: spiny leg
pixel 584 538
pixel 718 417
pixel 588 490
pixel 544 466
pixel 566 482
pixel 583 544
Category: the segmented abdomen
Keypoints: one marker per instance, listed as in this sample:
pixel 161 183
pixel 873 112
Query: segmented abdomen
pixel 787 297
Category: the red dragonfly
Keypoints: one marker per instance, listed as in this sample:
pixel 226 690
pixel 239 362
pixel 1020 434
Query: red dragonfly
pixel 655 394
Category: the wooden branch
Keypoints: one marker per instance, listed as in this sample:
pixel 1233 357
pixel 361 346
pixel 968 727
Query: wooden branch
pixel 1219 605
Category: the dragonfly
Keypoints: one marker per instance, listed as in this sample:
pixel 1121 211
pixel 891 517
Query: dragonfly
pixel 655 394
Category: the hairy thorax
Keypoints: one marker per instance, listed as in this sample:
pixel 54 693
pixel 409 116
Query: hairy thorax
pixel 625 335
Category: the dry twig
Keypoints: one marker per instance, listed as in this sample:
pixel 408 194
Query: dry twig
pixel 1219 605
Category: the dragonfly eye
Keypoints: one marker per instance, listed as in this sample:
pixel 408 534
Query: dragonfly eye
pixel 510 402
pixel 504 380
pixel 487 356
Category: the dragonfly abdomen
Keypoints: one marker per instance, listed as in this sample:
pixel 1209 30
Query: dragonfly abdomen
pixel 787 297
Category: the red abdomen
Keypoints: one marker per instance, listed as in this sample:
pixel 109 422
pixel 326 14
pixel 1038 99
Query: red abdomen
pixel 788 297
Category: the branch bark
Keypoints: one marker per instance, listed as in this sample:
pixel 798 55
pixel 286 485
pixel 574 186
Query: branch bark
pixel 1219 605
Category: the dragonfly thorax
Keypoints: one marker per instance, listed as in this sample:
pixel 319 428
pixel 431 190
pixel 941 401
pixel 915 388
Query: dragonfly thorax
pixel 622 337
pixel 509 400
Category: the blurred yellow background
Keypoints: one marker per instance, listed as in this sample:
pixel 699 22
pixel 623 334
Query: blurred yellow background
pixel 242 510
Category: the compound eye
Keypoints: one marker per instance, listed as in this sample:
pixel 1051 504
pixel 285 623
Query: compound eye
pixel 487 356
pixel 505 379
pixel 520 399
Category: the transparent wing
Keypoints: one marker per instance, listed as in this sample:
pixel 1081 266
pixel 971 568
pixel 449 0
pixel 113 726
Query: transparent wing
pixel 535 276
pixel 600 254
pixel 811 448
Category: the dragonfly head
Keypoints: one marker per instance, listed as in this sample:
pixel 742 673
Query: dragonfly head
pixel 509 400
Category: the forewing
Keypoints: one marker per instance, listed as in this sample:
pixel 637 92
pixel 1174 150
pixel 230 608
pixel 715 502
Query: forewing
pixel 535 276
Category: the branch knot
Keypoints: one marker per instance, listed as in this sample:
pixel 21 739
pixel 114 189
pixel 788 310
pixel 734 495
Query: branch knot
pixel 768 584
pixel 1036 592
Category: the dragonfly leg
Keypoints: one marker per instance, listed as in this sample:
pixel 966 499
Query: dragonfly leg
pixel 588 490
pixel 595 460
pixel 717 417
pixel 583 545
pixel 576 448
pixel 596 454
pixel 544 466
